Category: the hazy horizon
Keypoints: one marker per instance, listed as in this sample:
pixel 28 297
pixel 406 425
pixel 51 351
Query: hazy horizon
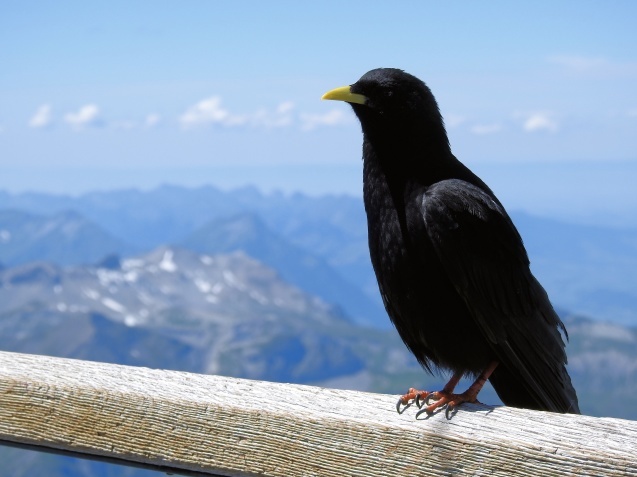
pixel 598 194
pixel 119 95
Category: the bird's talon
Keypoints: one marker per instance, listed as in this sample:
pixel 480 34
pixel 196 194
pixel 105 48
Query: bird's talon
pixel 430 397
pixel 450 409
pixel 418 401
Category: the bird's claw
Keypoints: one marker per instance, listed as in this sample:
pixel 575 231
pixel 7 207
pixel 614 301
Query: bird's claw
pixel 450 410
pixel 418 401
pixel 437 400
pixel 413 395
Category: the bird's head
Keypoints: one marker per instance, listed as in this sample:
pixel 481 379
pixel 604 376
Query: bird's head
pixel 390 102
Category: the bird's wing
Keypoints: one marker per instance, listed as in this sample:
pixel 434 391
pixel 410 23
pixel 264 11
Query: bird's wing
pixel 483 255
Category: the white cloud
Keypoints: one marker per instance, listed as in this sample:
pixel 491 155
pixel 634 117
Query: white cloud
pixel 334 117
pixel 482 129
pixel 42 117
pixel 540 121
pixel 152 120
pixel 281 117
pixel 87 115
pixel 209 111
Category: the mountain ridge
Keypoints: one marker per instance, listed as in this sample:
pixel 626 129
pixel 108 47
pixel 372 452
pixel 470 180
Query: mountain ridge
pixel 585 269
pixel 248 233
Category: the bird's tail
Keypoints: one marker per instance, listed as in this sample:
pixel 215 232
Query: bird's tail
pixel 514 391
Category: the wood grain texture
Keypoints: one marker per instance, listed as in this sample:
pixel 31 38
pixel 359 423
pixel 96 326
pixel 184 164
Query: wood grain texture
pixel 238 427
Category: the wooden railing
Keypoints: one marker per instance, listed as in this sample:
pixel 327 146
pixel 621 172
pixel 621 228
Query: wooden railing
pixel 189 423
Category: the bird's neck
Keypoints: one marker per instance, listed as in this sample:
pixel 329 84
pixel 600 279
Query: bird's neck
pixel 405 165
pixel 407 157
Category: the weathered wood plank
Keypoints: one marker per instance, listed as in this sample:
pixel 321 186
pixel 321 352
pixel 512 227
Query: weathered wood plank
pixel 240 427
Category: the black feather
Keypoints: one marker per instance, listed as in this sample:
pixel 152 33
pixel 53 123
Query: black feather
pixel 451 267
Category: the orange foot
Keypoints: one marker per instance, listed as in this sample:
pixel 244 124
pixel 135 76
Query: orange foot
pixel 445 398
pixel 414 395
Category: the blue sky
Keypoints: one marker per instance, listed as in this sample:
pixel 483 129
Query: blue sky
pixel 539 98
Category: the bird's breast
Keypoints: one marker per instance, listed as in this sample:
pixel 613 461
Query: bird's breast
pixel 402 266
pixel 418 295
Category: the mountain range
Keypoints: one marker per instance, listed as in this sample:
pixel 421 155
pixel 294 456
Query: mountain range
pixel 307 270
pixel 65 237
pixel 586 269
pixel 175 309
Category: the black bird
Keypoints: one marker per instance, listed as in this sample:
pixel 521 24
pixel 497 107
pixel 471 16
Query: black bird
pixel 451 266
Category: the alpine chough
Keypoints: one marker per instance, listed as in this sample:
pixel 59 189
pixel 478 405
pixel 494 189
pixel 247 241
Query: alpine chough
pixel 451 267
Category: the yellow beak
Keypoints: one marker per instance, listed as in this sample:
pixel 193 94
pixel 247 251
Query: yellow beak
pixel 344 93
